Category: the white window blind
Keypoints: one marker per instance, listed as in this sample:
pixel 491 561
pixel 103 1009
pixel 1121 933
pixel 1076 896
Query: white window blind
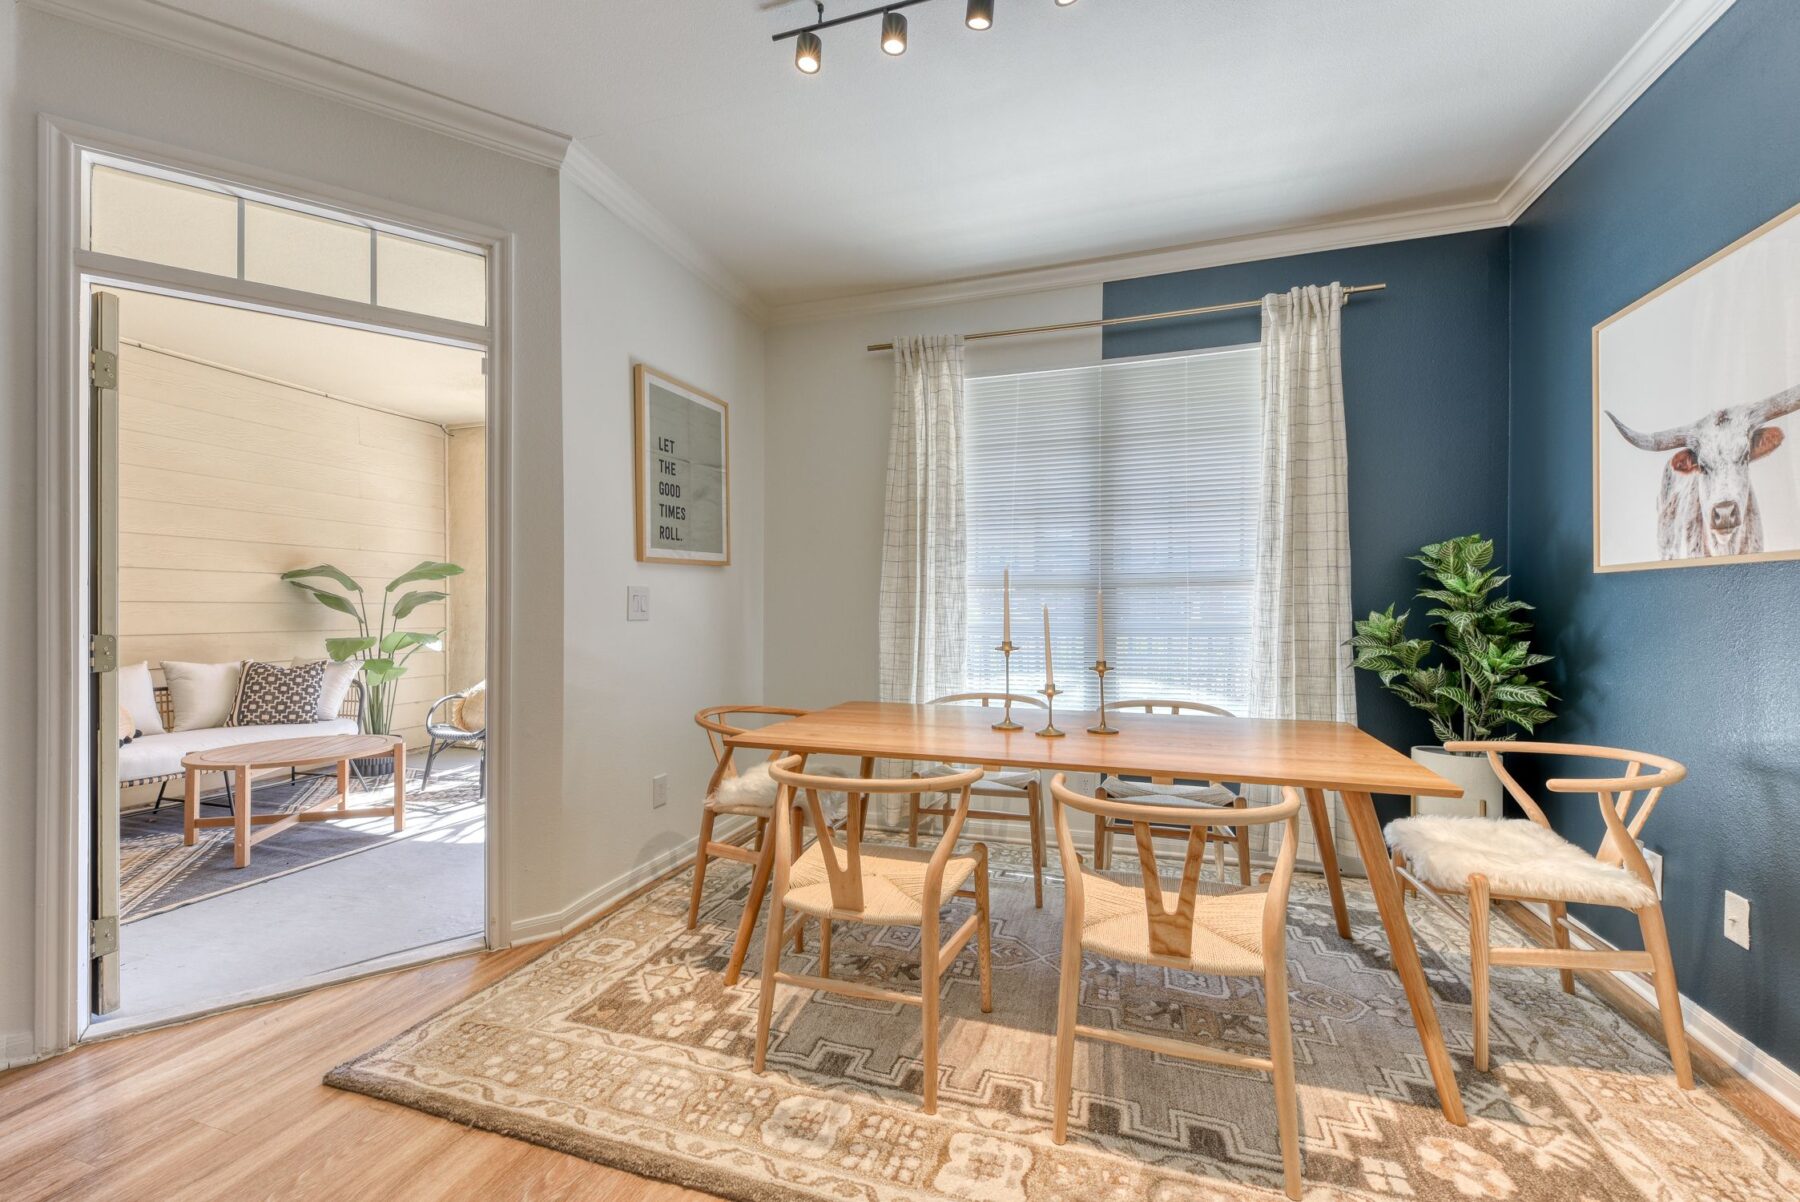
pixel 1138 478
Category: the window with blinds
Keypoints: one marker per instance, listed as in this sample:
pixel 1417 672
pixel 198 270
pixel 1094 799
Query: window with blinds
pixel 1138 480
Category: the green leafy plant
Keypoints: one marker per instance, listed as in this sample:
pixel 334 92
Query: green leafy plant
pixel 382 646
pixel 1483 681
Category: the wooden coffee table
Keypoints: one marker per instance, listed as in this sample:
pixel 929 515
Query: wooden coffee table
pixel 242 759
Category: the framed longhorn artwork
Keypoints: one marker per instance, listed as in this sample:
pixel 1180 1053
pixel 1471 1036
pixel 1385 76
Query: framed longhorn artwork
pixel 1697 413
pixel 683 450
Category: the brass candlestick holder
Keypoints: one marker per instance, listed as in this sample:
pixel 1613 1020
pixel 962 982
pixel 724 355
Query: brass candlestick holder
pixel 1006 723
pixel 1101 668
pixel 1050 692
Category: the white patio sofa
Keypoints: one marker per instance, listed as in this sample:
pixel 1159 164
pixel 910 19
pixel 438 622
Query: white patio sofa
pixel 156 759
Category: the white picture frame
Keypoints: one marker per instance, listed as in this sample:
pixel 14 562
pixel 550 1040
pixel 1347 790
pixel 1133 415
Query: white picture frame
pixel 1692 387
pixel 683 471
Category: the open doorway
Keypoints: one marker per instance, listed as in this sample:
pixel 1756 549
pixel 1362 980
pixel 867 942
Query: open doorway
pixel 301 542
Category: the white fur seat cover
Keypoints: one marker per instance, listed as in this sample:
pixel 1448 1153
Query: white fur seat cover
pixel 753 792
pixel 1518 857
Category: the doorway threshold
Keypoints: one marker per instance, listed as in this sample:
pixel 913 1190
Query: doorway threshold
pixel 129 1024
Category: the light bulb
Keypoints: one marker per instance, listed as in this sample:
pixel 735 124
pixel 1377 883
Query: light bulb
pixel 893 33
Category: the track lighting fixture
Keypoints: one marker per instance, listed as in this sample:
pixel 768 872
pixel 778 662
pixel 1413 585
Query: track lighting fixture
pixel 893 33
pixel 809 52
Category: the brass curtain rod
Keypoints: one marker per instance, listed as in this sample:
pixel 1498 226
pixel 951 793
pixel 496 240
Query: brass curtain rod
pixel 1120 321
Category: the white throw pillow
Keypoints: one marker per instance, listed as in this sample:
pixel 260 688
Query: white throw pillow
pixel 336 687
pixel 203 694
pixel 137 693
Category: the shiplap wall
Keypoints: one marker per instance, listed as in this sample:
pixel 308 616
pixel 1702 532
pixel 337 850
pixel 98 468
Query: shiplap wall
pixel 226 481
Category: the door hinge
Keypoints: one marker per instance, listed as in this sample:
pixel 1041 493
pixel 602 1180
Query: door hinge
pixel 103 652
pixel 103 937
pixel 106 368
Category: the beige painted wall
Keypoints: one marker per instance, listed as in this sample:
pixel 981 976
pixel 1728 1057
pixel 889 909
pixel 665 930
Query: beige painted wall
pixel 465 651
pixel 226 481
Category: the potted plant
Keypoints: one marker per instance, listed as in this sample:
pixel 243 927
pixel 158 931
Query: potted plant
pixel 382 646
pixel 1474 681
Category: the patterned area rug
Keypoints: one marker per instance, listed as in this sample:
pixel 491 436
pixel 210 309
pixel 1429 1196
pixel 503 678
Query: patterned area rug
pixel 157 873
pixel 623 1046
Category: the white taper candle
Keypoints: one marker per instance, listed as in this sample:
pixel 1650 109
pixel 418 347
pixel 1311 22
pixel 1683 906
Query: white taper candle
pixel 1006 605
pixel 1049 668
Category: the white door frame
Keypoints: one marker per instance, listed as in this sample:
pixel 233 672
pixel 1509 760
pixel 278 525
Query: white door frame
pixel 64 270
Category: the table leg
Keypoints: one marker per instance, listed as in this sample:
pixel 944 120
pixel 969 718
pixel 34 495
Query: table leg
pixel 241 854
pixel 343 775
pixel 190 808
pixel 1321 824
pixel 1386 886
pixel 400 784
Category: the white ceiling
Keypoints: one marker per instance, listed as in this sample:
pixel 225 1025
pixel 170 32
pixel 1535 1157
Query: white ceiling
pixel 1062 134
pixel 440 384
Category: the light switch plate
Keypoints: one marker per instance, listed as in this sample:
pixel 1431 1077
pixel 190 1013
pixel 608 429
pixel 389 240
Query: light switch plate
pixel 637 603
pixel 1737 919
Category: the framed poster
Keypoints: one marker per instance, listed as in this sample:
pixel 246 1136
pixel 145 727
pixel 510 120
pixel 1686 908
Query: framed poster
pixel 683 472
pixel 1693 385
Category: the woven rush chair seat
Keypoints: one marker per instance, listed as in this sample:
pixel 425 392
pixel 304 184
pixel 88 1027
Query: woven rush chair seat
pixel 893 884
pixel 1010 778
pixel 1518 857
pixel 1203 795
pixel 1227 926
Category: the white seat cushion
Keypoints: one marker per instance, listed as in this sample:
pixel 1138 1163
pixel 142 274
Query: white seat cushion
pixel 1518 857
pixel 1179 795
pixel 160 755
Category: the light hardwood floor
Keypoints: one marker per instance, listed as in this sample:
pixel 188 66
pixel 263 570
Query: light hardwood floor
pixel 231 1107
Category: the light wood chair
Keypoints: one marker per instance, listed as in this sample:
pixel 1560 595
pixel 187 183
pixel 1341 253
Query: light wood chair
pixel 1214 930
pixel 1162 790
pixel 743 796
pixel 1017 784
pixel 879 885
pixel 1523 859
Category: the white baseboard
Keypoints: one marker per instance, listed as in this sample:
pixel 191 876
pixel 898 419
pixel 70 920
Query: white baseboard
pixel 18 1048
pixel 1705 1029
pixel 552 926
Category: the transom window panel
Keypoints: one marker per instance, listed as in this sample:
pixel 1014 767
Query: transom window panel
pixel 155 216
pixel 1136 480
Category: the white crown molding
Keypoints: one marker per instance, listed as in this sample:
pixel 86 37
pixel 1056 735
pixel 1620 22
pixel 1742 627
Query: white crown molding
pixel 1664 42
pixel 625 202
pixel 162 25
pixel 1422 223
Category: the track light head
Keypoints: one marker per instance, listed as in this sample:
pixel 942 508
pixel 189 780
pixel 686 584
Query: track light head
pixel 981 14
pixel 1064 3
pixel 893 33
pixel 809 53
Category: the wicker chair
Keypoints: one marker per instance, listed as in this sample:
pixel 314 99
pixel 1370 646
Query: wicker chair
pixel 448 734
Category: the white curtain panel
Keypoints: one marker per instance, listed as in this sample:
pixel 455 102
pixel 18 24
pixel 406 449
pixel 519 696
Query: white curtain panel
pixel 923 550
pixel 1300 667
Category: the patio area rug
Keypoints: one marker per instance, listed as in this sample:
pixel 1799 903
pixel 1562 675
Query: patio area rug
pixel 623 1046
pixel 157 873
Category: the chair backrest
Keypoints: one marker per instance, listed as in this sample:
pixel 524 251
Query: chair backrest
pixel 987 699
pixel 1615 793
pixel 720 723
pixel 1136 705
pixel 1171 932
pixel 844 871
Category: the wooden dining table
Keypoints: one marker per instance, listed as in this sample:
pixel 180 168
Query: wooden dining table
pixel 1314 757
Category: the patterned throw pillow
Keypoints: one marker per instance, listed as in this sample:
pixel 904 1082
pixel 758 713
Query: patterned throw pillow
pixel 271 695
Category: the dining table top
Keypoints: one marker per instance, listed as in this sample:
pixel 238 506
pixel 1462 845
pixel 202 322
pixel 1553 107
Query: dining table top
pixel 1271 751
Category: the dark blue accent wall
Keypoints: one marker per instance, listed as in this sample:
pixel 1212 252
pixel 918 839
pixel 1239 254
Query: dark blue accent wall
pixel 1699 663
pixel 1425 398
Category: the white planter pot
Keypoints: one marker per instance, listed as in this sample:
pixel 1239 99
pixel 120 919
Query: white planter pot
pixel 1482 791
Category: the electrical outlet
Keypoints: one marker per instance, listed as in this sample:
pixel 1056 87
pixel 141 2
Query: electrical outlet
pixel 637 603
pixel 659 790
pixel 1737 919
pixel 1654 859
